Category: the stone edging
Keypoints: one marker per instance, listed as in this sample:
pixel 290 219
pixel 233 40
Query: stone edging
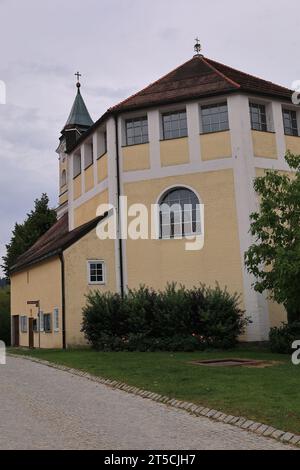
pixel 243 423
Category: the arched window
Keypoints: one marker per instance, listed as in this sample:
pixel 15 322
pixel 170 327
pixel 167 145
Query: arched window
pixel 179 214
pixel 63 178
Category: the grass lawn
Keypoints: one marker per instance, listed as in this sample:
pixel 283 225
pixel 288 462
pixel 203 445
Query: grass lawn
pixel 269 395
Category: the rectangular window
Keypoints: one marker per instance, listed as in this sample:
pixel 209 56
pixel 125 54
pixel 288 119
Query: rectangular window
pixel 96 272
pixel 258 117
pixel 47 322
pixel 290 122
pixel 105 142
pixel 23 321
pixel 41 321
pixel 88 155
pixel 214 118
pixel 174 125
pixel 56 319
pixel 137 131
pixel 76 164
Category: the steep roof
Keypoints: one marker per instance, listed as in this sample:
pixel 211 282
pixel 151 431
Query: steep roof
pixel 200 77
pixel 54 242
pixel 79 115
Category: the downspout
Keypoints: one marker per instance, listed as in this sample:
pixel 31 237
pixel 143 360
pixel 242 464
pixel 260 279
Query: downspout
pixel 63 299
pixel 119 215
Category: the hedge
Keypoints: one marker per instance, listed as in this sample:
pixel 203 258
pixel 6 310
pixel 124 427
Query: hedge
pixel 282 338
pixel 176 319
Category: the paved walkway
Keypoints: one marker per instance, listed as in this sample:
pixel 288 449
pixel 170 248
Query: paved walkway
pixel 44 408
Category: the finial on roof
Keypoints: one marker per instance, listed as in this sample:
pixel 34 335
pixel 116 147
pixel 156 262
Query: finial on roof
pixel 197 47
pixel 78 75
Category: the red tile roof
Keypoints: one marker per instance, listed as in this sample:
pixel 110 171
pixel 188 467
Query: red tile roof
pixel 200 77
pixel 53 242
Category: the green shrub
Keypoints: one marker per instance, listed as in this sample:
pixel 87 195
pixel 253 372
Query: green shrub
pixel 176 319
pixel 282 338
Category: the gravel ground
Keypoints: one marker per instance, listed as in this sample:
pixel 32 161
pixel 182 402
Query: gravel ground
pixel 44 408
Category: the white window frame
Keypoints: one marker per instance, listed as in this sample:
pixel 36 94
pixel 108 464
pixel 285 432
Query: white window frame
pixel 269 113
pixel 88 154
pixel 41 321
pixel 63 178
pixel 213 105
pixel 77 164
pixel 55 320
pixel 157 217
pixel 96 283
pixel 51 323
pixel 23 324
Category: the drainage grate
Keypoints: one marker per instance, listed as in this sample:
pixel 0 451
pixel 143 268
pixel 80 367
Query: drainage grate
pixel 232 363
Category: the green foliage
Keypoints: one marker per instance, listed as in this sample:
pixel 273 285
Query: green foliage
pixel 172 320
pixel 5 315
pixel 24 235
pixel 274 258
pixel 281 339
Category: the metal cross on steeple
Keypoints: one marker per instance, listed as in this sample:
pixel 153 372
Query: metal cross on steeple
pixel 197 47
pixel 78 75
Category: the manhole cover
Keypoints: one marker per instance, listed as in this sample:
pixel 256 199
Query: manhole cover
pixel 232 363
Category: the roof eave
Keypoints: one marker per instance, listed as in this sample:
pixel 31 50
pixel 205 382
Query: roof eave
pixel 89 226
pixel 125 109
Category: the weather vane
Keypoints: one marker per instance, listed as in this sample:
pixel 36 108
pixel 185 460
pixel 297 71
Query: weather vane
pixel 78 75
pixel 197 47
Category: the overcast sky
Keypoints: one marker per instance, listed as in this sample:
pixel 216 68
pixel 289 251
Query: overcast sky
pixel 119 46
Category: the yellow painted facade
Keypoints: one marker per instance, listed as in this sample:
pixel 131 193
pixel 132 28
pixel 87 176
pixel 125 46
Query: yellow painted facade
pixel 264 144
pixel 293 144
pixel 157 262
pixel 77 187
pixel 89 178
pixel 215 146
pixel 102 168
pixel 223 186
pixel 87 210
pixel 76 280
pixel 174 152
pixel 277 314
pixel 136 157
pixel 40 282
pixel 63 197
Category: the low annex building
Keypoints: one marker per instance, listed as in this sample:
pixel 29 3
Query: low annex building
pixel 199 134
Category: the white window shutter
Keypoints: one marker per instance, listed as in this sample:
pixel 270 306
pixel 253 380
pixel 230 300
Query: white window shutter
pixel 41 321
pixel 56 319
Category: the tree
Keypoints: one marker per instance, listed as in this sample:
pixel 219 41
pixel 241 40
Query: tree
pixel 5 315
pixel 24 235
pixel 274 258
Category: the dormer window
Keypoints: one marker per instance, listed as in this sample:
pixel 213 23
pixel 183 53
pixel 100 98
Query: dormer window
pixel 174 125
pixel 258 116
pixel 137 131
pixel 290 122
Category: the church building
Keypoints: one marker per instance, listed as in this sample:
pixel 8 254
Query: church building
pixel 200 134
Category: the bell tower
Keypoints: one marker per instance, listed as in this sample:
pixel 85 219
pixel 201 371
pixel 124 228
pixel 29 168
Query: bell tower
pixel 78 122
